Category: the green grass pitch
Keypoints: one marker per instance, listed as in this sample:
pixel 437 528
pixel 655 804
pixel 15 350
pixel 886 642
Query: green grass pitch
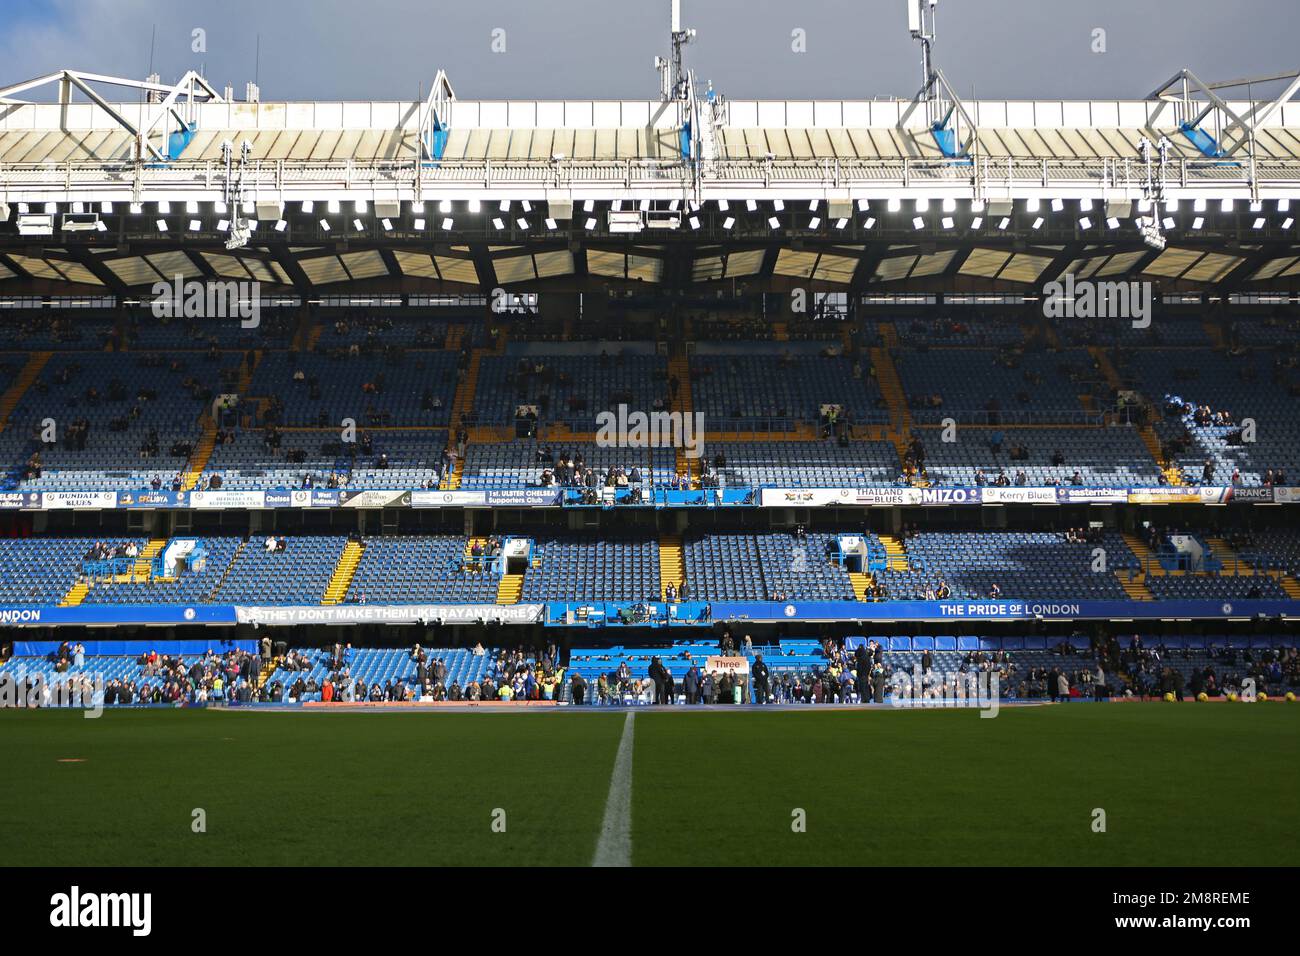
pixel 1181 785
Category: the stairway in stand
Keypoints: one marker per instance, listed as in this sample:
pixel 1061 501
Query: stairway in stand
pixel 76 594
pixel 680 368
pixel 341 580
pixel 509 588
pixel 1134 585
pixel 895 551
pixel 199 457
pixel 861 584
pixel 672 563
pixel 144 563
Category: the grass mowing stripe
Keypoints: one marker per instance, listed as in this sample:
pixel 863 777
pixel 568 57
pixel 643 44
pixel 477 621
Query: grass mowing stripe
pixel 615 845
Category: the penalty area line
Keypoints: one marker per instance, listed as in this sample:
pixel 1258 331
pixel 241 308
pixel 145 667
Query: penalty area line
pixel 615 845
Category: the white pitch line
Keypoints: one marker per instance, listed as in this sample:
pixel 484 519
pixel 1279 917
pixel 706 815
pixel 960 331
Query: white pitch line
pixel 615 845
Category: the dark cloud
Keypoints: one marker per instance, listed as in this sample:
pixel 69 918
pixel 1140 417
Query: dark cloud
pixel 603 49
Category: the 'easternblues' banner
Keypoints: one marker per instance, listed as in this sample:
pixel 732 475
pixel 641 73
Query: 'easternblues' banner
pixel 995 610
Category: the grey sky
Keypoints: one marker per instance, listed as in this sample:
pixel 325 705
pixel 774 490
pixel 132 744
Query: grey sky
pixel 576 49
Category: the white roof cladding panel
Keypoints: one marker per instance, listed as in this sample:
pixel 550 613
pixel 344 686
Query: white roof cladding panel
pixel 798 113
pixel 1047 114
pixel 637 113
pixel 577 116
pixel 771 114
pixel 521 115
pixel 493 114
pixel 828 114
pixel 550 114
pixel 1020 114
pixel 605 116
pixel 1076 114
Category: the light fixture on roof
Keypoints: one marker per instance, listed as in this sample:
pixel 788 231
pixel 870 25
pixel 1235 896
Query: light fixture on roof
pixel 894 204
pixel 526 205
pixel 694 222
pixel 475 205
pixel 675 205
pixel 359 206
pixel 778 205
pixel 357 225
pixel 1198 204
pixel 223 225
pixel 419 224
pixel 946 222
pixel 164 207
pixel 841 223
pixel 1284 205
pixel 106 207
pixel 751 205
pixel 1259 223
pixel 723 205
pixel 417 206
pixel 950 205
pixel 588 205
pixel 551 224
pixel 728 222
pixel 864 205
pixel 1169 222
pixel 1085 205
pixel 814 222
pixel 616 205
pixel 869 222
pixel 591 223
pixel 1288 222
pixel 448 223
pixel 1226 205
pixel 247 207
pixel 1031 205
pixel 1112 223
pixel 162 225
pixel 307 206
pixel 977 205
pixel 1006 221
pixel 498 223
pixel 136 208
pixel 774 222
pixel 1171 205
pixel 1198 222
pixel 444 205
pixel 521 222
pixel 191 206
pixel 923 205
pixel 195 225
pixel 78 208
pixel 1058 205
pixel 101 226
pixel 332 206
pixel 1144 205
pixel 1256 206
pixel 281 225
pixel 644 205
pixel 1085 223
pixel 977 222
pixel 387 224
pixel 1038 223
pixel 324 224
pixel 504 205
pixel 812 206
